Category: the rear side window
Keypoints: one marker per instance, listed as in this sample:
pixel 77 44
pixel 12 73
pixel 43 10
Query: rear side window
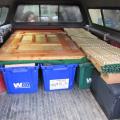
pixel 112 18
pixel 3 14
pixel 48 13
pixel 109 18
pixel 70 14
pixel 27 13
pixel 96 16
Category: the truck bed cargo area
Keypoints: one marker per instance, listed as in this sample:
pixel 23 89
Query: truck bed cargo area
pixel 59 60
pixel 67 105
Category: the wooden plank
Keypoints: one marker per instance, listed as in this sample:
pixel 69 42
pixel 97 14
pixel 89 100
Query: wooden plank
pixel 79 32
pixel 27 39
pixel 53 39
pixel 43 47
pixel 111 78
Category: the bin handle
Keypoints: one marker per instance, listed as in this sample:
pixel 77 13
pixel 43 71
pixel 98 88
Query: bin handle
pixel 17 70
pixel 62 68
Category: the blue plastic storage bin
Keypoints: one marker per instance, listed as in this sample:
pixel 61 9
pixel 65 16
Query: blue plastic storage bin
pixel 21 79
pixel 58 77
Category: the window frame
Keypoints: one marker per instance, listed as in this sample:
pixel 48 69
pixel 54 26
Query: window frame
pixel 6 15
pixel 52 23
pixel 103 19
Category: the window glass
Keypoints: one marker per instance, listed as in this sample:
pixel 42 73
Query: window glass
pixel 49 13
pixel 112 18
pixel 70 14
pixel 27 13
pixel 96 16
pixel 3 14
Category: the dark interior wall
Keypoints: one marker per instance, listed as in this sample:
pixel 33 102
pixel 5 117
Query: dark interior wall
pixel 88 3
pixel 101 3
pixel 10 2
pixel 47 1
pixel 6 2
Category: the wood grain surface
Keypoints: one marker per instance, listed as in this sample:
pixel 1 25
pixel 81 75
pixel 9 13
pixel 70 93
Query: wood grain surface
pixel 39 45
pixel 111 78
pixel 99 52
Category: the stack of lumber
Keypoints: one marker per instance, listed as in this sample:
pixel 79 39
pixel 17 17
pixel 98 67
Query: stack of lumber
pixel 79 32
pixel 105 57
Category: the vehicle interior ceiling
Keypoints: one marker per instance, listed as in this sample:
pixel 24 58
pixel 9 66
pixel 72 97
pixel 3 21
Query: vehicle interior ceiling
pixel 106 33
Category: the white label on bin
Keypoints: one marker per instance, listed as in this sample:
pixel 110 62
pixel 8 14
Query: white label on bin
pixel 59 84
pixel 20 65
pixel 89 80
pixel 21 85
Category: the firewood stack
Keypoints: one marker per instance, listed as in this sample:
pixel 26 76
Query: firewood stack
pixel 106 58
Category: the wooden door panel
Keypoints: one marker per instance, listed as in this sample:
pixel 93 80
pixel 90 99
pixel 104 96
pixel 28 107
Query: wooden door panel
pixel 38 44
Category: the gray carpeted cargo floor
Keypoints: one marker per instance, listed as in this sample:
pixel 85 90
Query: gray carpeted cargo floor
pixel 58 105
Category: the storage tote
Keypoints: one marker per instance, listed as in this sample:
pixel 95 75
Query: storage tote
pixel 21 78
pixel 84 75
pixel 58 77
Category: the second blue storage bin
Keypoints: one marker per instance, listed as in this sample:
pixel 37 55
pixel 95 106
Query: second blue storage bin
pixel 58 77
